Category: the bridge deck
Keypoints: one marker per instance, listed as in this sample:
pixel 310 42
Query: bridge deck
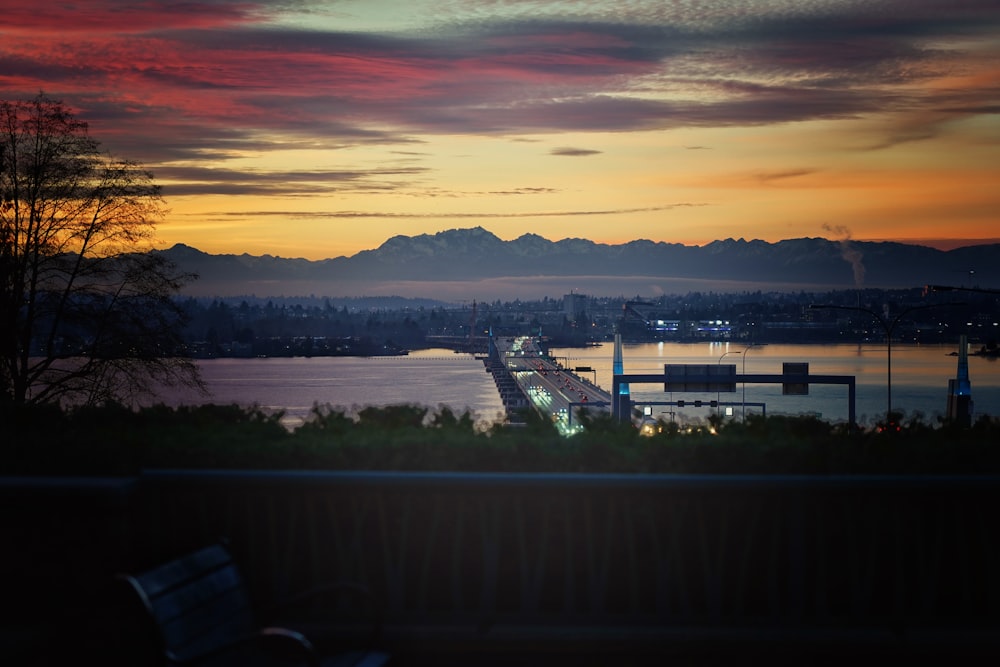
pixel 551 389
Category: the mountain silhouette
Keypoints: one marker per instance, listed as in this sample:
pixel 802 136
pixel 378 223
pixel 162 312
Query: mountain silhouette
pixel 442 263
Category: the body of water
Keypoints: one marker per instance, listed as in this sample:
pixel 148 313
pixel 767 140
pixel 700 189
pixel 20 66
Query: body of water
pixel 295 385
pixel 920 377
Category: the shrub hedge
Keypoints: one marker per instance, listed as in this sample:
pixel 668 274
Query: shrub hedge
pixel 114 440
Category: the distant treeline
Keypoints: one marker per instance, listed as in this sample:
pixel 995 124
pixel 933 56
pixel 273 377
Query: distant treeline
pixel 114 440
pixel 321 327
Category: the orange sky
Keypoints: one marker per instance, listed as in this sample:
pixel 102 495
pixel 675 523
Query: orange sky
pixel 319 129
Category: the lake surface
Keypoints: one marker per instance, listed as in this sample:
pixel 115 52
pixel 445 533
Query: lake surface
pixel 295 385
pixel 920 377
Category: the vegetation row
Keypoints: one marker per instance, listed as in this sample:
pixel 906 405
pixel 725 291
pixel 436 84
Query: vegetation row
pixel 116 440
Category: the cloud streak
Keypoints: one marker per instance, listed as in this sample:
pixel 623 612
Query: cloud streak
pixel 187 181
pixel 573 152
pixel 452 215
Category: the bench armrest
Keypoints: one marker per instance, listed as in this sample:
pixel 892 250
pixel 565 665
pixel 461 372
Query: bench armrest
pixel 373 613
pixel 277 642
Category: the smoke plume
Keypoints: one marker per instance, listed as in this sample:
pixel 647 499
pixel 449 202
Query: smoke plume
pixel 851 254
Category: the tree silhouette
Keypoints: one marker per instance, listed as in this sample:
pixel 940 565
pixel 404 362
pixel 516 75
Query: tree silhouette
pixel 86 312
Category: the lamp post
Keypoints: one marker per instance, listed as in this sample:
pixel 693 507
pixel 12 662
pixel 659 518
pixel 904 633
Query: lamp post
pixel 719 362
pixel 718 394
pixel 747 349
pixel 887 326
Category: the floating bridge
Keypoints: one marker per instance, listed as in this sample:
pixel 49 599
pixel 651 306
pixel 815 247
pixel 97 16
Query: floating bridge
pixel 527 377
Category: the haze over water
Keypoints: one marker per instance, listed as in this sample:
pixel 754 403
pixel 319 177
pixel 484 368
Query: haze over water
pixel 920 377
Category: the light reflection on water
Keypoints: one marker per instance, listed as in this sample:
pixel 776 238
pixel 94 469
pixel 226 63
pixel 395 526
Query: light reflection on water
pixel 920 377
pixel 295 385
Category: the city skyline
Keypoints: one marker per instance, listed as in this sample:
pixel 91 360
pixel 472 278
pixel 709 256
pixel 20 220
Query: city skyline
pixel 320 129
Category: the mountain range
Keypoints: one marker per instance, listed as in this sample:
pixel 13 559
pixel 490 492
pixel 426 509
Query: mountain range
pixel 466 264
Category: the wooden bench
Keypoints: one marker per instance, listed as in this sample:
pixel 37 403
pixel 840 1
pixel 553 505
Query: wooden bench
pixel 201 612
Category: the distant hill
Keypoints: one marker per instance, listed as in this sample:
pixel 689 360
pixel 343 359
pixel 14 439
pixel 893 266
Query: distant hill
pixel 475 264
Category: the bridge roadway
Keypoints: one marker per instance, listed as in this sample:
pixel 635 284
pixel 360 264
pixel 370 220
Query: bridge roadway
pixel 551 389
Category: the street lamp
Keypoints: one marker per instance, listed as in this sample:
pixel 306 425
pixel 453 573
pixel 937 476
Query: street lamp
pixel 887 327
pixel 747 349
pixel 718 393
pixel 744 371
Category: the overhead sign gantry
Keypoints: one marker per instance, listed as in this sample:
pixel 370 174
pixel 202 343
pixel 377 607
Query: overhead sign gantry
pixel 794 378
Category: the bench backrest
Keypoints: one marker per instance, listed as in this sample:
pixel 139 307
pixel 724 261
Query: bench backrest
pixel 198 603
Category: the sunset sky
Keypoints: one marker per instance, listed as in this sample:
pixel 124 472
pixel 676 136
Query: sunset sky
pixel 316 129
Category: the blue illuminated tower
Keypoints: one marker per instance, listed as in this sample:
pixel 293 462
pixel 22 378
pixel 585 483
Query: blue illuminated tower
pixel 960 389
pixel 622 400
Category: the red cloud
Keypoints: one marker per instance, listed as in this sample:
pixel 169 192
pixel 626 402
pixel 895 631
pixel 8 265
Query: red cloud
pixel 109 16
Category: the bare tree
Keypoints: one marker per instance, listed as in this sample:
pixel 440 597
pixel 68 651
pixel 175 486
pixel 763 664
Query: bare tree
pixel 87 313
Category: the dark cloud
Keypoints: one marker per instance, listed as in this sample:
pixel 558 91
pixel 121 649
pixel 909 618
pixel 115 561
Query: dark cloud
pixel 433 192
pixel 573 152
pixel 524 191
pixel 772 176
